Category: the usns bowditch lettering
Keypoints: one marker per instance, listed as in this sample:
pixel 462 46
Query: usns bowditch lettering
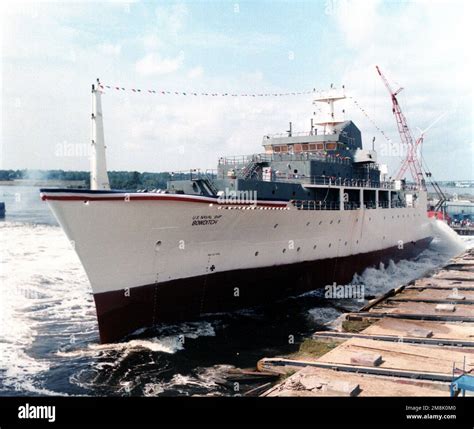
pixel 312 209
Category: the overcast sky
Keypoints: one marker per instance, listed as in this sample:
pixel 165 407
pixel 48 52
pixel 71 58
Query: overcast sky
pixel 53 51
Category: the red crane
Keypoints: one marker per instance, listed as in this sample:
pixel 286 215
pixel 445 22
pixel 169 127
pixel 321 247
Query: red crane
pixel 411 161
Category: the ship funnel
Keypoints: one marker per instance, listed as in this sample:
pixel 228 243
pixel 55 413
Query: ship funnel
pixel 99 177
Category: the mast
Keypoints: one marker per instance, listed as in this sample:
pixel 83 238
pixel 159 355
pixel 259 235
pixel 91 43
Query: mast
pixel 99 177
pixel 329 97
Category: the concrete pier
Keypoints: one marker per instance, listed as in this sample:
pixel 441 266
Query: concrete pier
pixel 409 342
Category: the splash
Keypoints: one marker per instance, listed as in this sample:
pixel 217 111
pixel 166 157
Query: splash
pixel 203 381
pixel 171 342
pixel 449 240
pixel 378 280
pixel 33 299
pixel 445 245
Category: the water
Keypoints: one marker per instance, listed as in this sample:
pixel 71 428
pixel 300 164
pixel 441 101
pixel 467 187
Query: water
pixel 451 191
pixel 23 204
pixel 48 331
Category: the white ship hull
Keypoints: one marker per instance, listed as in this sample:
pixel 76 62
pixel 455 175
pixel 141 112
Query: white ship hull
pixel 152 257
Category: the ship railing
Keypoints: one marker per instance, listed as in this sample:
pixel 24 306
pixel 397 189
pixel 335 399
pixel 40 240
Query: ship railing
pixel 192 174
pixel 245 159
pixel 315 205
pixel 351 205
pixel 297 134
pixel 266 157
pixel 411 187
pixel 370 204
pixel 331 181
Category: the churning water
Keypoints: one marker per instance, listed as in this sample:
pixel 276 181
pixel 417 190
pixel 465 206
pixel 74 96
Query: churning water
pixel 48 330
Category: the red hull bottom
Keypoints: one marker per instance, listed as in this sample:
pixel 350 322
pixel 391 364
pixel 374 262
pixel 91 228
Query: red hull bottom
pixel 120 313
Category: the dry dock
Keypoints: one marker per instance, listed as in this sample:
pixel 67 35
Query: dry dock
pixel 408 342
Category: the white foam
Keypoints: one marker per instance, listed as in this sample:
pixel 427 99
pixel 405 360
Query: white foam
pixel 323 314
pixel 446 244
pixel 206 379
pixel 32 296
pixel 453 243
pixel 152 389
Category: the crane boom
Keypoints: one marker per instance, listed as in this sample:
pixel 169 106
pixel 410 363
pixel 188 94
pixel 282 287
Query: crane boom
pixel 411 160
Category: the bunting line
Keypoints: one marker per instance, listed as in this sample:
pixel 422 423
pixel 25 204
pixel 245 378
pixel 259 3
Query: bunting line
pixel 372 121
pixel 205 94
pixel 230 94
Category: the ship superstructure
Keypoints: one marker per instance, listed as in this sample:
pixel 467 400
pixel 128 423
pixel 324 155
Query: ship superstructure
pixel 312 209
pixel 325 167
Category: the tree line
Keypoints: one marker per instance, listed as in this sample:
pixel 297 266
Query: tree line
pixel 131 180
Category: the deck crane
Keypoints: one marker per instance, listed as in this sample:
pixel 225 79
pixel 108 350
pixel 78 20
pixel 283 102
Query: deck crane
pixel 411 161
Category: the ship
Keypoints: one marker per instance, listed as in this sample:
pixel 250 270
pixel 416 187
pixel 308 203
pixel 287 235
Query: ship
pixel 311 209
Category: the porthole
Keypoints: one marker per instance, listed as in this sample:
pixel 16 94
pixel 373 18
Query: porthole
pixel 314 247
pixel 256 253
pixel 158 245
pixel 320 222
pixel 274 226
pixel 339 221
pixel 357 241
pixel 307 223
pixel 345 243
pixel 330 223
pixel 329 245
pixel 284 250
pixel 298 249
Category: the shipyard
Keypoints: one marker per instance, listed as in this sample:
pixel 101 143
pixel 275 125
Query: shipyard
pixel 415 340
pixel 260 208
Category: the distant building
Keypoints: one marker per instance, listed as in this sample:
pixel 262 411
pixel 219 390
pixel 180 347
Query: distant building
pixel 459 210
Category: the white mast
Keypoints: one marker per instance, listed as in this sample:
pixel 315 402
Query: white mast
pixel 329 97
pixel 99 177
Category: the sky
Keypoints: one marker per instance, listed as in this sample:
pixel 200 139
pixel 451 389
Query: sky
pixel 51 53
